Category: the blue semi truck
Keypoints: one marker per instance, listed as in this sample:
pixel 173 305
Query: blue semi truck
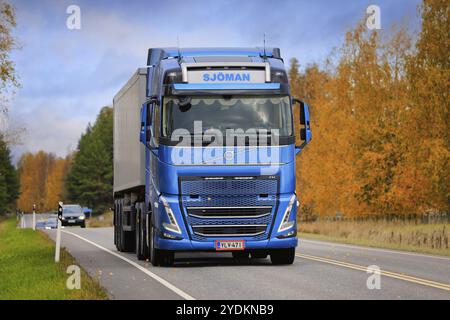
pixel 204 155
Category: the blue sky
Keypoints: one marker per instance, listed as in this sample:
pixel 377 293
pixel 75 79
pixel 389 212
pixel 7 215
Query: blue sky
pixel 68 75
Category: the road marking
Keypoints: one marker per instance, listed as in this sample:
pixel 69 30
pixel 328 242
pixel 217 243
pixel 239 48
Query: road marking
pixel 404 277
pixel 165 283
pixel 374 249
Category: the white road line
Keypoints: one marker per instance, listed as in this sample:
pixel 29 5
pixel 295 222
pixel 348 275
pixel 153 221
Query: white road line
pixel 165 283
pixel 374 249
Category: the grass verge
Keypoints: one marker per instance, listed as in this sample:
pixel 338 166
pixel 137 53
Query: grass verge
pixel 424 238
pixel 28 270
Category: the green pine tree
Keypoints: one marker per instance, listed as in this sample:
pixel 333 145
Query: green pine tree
pixel 9 181
pixel 89 181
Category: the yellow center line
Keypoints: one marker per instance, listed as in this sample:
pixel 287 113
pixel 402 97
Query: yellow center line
pixel 403 277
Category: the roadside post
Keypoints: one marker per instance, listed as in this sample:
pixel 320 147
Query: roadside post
pixel 58 232
pixel 22 220
pixel 34 216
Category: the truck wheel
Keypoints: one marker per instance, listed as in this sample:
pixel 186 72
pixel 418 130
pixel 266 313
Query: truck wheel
pixel 141 243
pixel 282 256
pixel 240 255
pixel 166 258
pixel 159 257
pixel 154 258
pixel 138 231
pixel 258 255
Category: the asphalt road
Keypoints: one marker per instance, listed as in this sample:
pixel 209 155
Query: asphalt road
pixel 321 270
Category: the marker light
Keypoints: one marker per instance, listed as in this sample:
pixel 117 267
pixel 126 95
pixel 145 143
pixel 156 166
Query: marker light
pixel 173 225
pixel 285 223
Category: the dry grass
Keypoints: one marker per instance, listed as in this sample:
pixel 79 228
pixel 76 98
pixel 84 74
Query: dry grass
pixel 101 221
pixel 426 238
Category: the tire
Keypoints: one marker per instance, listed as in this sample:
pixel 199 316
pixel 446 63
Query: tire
pixel 282 256
pixel 118 240
pixel 159 257
pixel 240 255
pixel 141 243
pixel 258 255
pixel 115 222
pixel 83 225
pixel 126 239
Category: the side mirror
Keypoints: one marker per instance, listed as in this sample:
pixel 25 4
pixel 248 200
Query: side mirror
pixel 305 131
pixel 143 131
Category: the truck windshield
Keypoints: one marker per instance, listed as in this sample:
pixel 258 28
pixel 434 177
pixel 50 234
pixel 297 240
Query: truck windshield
pixel 222 113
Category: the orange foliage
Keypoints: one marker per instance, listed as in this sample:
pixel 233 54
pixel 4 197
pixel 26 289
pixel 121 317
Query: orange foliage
pixel 41 181
pixel 380 121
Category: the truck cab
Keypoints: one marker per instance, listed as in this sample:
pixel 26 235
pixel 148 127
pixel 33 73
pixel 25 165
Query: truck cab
pixel 204 155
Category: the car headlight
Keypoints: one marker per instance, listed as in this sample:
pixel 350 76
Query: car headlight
pixel 285 223
pixel 81 217
pixel 173 225
pixel 62 218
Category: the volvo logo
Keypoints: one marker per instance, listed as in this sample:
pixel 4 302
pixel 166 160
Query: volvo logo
pixel 229 155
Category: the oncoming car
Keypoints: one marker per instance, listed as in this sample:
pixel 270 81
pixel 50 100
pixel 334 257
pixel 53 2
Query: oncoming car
pixel 73 215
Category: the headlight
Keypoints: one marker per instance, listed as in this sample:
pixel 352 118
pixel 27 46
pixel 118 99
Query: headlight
pixel 285 223
pixel 81 217
pixel 62 218
pixel 173 225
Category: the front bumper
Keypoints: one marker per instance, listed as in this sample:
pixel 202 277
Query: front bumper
pixel 186 240
pixel 76 222
pixel 190 245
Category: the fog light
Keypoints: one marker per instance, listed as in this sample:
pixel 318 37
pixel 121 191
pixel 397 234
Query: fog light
pixel 290 234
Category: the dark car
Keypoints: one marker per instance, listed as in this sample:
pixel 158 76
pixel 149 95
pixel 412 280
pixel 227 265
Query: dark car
pixel 73 215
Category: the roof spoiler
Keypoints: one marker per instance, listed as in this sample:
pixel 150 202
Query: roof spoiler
pixel 157 54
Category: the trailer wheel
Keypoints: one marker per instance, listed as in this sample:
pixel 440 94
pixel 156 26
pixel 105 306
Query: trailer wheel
pixel 126 239
pixel 282 256
pixel 117 239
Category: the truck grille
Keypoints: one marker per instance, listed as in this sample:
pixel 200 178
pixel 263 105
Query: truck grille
pixel 229 230
pixel 228 186
pixel 229 212
pixel 229 206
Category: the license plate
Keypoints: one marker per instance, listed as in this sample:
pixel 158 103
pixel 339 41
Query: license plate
pixel 229 245
pixel 71 221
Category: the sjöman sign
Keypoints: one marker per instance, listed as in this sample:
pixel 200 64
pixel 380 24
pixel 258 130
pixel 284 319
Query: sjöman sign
pixel 226 76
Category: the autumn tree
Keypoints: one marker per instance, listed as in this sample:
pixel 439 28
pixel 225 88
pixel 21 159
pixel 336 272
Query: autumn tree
pixel 8 77
pixel 380 120
pixel 54 187
pixel 427 171
pixel 42 177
